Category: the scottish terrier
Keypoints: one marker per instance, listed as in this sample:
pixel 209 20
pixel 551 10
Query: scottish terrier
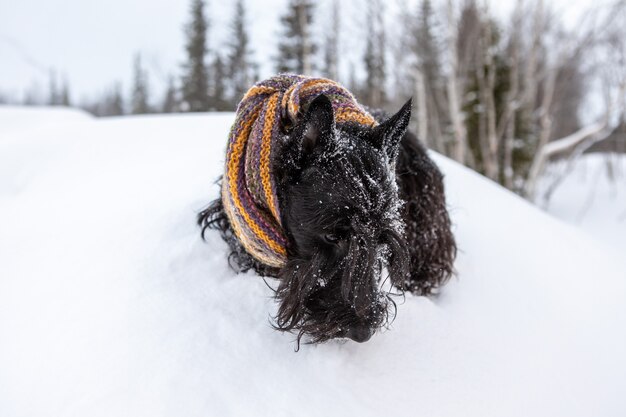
pixel 342 205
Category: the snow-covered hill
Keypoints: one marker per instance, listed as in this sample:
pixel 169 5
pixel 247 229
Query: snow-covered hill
pixel 15 118
pixel 593 197
pixel 111 305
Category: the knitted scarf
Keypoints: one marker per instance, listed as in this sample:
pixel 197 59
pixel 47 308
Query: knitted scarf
pixel 248 188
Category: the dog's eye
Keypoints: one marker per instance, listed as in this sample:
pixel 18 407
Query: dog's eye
pixel 331 238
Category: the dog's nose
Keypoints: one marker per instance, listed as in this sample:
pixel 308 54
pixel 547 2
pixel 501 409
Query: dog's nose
pixel 360 334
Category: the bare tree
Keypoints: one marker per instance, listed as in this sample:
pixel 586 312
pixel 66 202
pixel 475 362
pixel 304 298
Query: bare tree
pixel 426 75
pixel 374 58
pixel 454 88
pixel 331 46
pixel 486 77
pixel 605 39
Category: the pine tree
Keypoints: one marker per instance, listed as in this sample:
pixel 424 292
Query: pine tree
pixel 115 101
pixel 195 82
pixel 34 96
pixel 218 101
pixel 139 97
pixel 170 101
pixel 240 65
pixel 53 93
pixel 64 98
pixel 374 57
pixel 296 46
pixel 110 103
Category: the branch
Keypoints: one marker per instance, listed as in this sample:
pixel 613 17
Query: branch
pixel 579 149
pixel 557 147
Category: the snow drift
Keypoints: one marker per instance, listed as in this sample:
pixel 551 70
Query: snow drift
pixel 15 118
pixel 593 197
pixel 110 304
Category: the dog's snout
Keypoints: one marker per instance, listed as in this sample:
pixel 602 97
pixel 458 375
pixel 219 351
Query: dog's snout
pixel 360 334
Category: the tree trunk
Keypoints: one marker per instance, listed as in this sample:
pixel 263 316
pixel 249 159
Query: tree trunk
pixel 491 165
pixel 559 146
pixel 422 111
pixel 507 125
pixel 460 134
pixel 306 45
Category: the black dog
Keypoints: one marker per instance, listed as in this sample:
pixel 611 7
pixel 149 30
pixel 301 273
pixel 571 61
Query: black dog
pixel 359 205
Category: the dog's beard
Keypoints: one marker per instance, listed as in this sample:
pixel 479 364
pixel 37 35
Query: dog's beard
pixel 323 297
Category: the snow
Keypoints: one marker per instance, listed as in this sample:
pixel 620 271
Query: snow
pixel 594 198
pixel 110 304
pixel 15 118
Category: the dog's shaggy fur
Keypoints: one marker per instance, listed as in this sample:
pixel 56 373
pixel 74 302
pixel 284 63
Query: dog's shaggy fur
pixel 358 205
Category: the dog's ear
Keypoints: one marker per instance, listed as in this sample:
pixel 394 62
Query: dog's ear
pixel 387 135
pixel 319 124
pixel 314 130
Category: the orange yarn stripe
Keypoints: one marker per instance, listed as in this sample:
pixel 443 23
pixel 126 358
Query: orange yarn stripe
pixel 265 155
pixel 233 176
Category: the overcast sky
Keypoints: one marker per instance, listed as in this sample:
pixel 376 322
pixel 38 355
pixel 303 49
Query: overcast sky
pixel 93 42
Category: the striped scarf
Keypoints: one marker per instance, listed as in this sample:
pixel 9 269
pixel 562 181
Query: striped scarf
pixel 248 188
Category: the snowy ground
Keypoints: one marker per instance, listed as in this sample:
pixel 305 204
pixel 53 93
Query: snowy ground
pixel 111 305
pixel 594 198
pixel 16 118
